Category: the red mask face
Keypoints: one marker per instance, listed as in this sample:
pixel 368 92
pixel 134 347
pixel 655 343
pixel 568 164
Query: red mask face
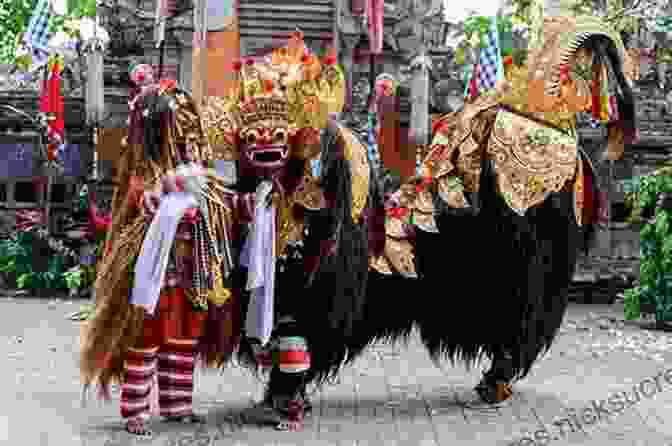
pixel 264 150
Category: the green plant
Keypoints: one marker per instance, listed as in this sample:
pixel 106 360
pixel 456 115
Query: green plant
pixel 86 312
pixel 521 12
pixel 664 55
pixel 16 257
pixel 74 278
pixel 52 279
pixel 8 252
pixel 631 188
pixel 16 254
pixel 476 28
pixel 631 304
pixel 656 250
pixel 26 280
pixel 88 276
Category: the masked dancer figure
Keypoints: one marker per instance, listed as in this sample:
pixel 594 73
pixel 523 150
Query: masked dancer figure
pixel 156 289
pixel 305 177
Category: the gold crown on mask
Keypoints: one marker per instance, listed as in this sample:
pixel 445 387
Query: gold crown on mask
pixel 290 87
pixel 264 109
pixel 310 88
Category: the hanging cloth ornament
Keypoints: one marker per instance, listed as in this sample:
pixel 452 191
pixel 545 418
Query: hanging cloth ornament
pixel 259 257
pixel 95 93
pixel 160 22
pixel 375 10
pixel 95 88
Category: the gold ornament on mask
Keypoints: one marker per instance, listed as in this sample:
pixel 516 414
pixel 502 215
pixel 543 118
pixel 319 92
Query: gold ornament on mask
pixel 290 88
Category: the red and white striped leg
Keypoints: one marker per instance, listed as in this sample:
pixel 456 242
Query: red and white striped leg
pixel 176 378
pixel 139 370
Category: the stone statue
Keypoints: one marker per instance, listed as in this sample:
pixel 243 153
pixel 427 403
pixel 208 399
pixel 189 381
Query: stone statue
pixel 447 96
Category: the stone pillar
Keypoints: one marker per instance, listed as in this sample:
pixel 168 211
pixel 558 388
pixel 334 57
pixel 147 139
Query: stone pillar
pixel 223 46
pixel 223 50
pixel 185 38
pixel 199 55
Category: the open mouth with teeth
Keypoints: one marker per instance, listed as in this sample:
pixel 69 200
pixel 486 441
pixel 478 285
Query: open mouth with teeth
pixel 267 156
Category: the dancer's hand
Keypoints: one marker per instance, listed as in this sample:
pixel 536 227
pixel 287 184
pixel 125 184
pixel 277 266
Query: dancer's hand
pixel 151 201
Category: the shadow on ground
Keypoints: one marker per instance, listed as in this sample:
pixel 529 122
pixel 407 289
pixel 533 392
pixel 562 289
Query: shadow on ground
pixel 347 417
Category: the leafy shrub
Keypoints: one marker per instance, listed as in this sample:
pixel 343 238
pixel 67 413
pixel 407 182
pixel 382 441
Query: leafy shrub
pixel 655 286
pixel 16 258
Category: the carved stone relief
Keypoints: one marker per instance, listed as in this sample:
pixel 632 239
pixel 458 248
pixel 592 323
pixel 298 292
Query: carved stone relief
pixel 420 25
pixel 447 96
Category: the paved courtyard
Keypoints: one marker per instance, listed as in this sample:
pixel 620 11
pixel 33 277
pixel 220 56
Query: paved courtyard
pixel 392 396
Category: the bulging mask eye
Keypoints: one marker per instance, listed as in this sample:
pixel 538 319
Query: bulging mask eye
pixel 280 136
pixel 250 137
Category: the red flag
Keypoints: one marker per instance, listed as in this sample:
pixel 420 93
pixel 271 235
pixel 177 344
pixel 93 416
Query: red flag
pixel 51 103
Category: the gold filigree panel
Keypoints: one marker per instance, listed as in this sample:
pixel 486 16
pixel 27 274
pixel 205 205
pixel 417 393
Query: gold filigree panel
pixel 531 160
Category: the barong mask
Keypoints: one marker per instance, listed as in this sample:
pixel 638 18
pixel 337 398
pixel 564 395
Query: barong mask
pixel 281 103
pixel 579 64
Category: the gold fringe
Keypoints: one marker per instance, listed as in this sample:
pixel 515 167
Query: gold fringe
pixel 116 324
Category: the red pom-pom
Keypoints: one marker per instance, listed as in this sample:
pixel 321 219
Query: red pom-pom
pixel 331 60
pixel 398 212
pixel 167 84
pixel 237 65
pixel 305 58
pixel 52 152
pixel 179 183
pixel 169 184
pixel 190 216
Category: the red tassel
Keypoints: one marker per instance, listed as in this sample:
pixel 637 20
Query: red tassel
pixel 44 97
pixel 596 93
pixel 473 88
pixel 589 198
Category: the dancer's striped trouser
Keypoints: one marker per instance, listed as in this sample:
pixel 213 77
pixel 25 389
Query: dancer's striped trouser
pixel 167 351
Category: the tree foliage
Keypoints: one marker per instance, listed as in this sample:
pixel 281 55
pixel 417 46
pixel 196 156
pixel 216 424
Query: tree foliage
pixel 626 15
pixel 15 16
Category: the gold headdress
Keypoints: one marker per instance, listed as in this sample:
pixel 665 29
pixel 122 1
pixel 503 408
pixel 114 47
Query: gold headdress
pixel 288 88
pixel 556 81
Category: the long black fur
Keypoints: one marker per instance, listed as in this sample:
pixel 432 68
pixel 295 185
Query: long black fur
pixel 332 304
pixel 512 273
pixel 489 281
